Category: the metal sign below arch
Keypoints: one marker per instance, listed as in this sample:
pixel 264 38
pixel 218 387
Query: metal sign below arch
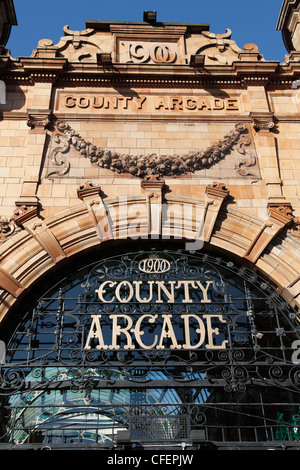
pixel 154 348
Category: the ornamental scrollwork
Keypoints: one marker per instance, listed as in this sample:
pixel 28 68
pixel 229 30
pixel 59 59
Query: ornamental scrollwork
pixel 8 227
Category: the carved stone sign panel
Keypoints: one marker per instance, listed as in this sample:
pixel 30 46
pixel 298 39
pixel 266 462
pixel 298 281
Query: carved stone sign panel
pixel 131 102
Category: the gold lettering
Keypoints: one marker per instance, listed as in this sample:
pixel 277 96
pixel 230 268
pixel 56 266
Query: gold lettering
pixel 210 331
pixel 195 331
pixel 170 295
pixel 137 292
pixel 205 298
pixel 186 299
pixel 117 331
pixel 138 333
pixel 101 291
pixel 200 331
pixel 95 332
pixel 167 331
pixel 130 295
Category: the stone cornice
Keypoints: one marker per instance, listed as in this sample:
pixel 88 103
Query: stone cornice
pixel 43 64
pixel 109 25
pixel 59 70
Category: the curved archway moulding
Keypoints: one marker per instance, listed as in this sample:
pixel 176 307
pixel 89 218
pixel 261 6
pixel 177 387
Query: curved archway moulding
pixel 42 245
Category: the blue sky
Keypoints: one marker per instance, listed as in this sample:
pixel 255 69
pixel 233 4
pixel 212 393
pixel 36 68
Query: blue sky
pixel 250 22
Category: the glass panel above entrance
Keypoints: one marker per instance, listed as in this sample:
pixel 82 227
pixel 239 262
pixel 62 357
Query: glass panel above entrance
pixel 159 346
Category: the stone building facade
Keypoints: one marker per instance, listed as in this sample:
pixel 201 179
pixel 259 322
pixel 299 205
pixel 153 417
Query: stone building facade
pixel 139 133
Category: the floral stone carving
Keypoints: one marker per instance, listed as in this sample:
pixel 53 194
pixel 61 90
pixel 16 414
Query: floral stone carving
pixel 144 165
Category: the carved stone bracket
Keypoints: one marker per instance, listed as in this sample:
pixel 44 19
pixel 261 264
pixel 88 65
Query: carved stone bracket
pixel 24 212
pixel 281 212
pixel 217 190
pixel 90 194
pixel 152 184
pixel 215 195
pixel 262 121
pixel 39 118
pixel 280 217
pixel 88 189
pixel 153 188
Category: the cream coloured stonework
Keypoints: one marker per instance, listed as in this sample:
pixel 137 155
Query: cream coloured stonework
pixel 221 138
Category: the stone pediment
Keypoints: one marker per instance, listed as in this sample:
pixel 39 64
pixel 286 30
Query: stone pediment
pixel 142 43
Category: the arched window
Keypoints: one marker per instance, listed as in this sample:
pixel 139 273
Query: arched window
pixel 153 348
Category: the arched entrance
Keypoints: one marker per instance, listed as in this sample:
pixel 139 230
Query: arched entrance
pixel 153 347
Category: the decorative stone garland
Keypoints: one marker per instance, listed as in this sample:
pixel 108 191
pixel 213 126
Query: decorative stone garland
pixel 145 165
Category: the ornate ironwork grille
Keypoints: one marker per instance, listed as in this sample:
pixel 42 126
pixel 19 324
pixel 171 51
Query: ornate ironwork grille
pixel 163 345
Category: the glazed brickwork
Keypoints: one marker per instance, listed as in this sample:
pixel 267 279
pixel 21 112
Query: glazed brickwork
pixel 124 115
